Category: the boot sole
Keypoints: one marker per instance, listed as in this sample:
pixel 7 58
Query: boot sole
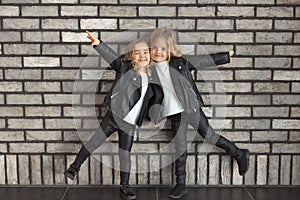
pixel 127 198
pixel 70 176
pixel 184 193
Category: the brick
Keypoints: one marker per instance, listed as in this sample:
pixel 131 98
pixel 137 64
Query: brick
pixel 39 36
pixel 293 2
pixel 63 147
pixel 253 75
pixel 10 62
pixel 154 167
pixel 270 111
pixel 261 170
pixel 43 135
pixel 95 171
pixel 106 170
pixel 23 167
pixel 98 24
pixel 217 99
pixel 282 37
pixel 47 166
pixel 158 11
pixel 79 10
pixel 269 136
pixel 287 24
pixel 177 23
pixel 286 75
pixel 58 49
pixel 11 136
pixel 250 175
pixel 273 178
pixel 2 123
pixel 209 75
pixel 235 37
pixel 138 2
pixel 24 99
pixel 11 169
pixel 198 11
pixel 177 2
pixel 287 50
pixel 77 61
pixel 255 2
pixel 61 99
pixel 25 123
pixel 10 86
pixel 60 1
pixel 225 170
pixel 274 12
pixel 202 170
pixel 166 169
pixel 42 111
pixel 11 111
pixel 296 170
pixel 271 87
pixel 254 24
pixel 23 74
pixel 296 63
pixel 286 99
pixel 59 168
pixel 65 24
pixel 254 50
pixel 235 11
pixel 272 62
pixel 217 1
pixel 295 112
pixel 61 74
pixel 208 24
pixel 286 124
pixel 285 171
pixel 252 124
pixel 221 124
pixel 41 62
pixel 35 171
pixel 22 49
pixel 236 178
pixel 3 169
pixel 297 11
pixel 233 112
pixel 213 177
pixel 195 37
pixel 74 37
pixel 297 38
pixel 20 1
pixel 10 36
pixel 137 24
pixel 42 87
pixel 118 11
pixel 20 23
pixel 7 11
pixel 39 11
pixel 99 1
pixel 61 123
pixel 211 49
pixel 26 147
pixel 233 87
pixel 285 148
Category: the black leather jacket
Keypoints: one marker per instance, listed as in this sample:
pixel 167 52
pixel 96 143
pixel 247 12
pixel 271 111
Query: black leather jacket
pixel 126 90
pixel 184 85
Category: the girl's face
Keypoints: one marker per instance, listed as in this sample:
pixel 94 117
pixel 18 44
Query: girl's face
pixel 141 55
pixel 159 50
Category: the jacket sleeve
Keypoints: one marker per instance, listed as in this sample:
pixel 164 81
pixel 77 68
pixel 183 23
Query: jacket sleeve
pixel 109 55
pixel 155 105
pixel 202 61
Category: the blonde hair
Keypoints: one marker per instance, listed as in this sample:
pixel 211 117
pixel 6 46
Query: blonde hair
pixel 169 36
pixel 129 51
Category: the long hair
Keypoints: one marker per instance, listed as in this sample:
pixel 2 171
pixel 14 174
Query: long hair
pixel 129 52
pixel 171 41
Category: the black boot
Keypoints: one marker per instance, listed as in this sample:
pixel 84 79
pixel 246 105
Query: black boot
pixel 241 155
pixel 180 189
pixel 125 189
pixel 74 168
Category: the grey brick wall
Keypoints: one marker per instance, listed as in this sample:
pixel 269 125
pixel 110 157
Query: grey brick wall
pixel 42 42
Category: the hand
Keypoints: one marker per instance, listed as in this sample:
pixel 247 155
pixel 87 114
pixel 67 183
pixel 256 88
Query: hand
pixel 93 39
pixel 159 124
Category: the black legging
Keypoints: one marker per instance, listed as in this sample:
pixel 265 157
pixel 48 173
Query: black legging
pixel 109 125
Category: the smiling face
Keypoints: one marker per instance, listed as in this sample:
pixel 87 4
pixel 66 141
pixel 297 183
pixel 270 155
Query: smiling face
pixel 159 50
pixel 141 55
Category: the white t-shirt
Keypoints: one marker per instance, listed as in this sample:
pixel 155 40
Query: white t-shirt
pixel 171 103
pixel 134 113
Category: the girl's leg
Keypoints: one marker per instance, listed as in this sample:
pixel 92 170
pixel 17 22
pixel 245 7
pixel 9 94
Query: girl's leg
pixel 179 131
pixel 126 133
pixel 207 132
pixel 107 127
